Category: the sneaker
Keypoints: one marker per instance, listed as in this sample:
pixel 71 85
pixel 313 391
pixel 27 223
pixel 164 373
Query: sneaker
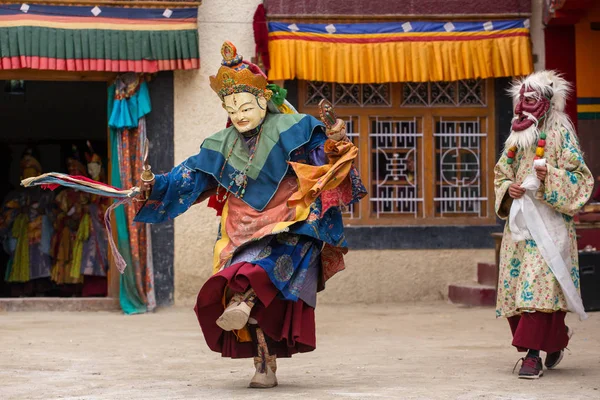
pixel 553 359
pixel 531 368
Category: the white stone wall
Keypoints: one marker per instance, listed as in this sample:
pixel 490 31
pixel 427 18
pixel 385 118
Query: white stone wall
pixel 371 276
pixel 537 34
pixel 198 114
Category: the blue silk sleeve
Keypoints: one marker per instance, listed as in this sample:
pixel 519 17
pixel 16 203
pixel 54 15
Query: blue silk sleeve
pixel 173 193
pixel 316 149
pixel 318 157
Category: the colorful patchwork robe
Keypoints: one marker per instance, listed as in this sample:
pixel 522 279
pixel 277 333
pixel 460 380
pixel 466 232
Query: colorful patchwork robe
pixel 526 282
pixel 26 229
pixel 94 258
pixel 264 226
pixel 71 231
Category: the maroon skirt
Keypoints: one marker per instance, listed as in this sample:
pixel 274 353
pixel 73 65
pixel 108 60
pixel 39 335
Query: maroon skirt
pixel 539 331
pixel 290 325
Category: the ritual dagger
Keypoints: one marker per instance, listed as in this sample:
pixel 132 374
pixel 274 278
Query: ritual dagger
pixel 327 113
pixel 336 128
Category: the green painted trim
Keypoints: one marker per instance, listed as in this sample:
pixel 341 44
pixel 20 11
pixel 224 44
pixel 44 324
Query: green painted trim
pixel 588 116
pixel 100 44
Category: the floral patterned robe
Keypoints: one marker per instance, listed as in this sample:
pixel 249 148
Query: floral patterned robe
pixel 525 281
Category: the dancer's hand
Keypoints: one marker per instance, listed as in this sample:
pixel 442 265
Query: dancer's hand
pixel 515 191
pixel 148 181
pixel 541 171
pixel 338 131
pixel 147 186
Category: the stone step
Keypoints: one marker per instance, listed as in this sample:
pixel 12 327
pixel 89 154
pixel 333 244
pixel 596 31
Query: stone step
pixel 59 304
pixel 487 274
pixel 472 294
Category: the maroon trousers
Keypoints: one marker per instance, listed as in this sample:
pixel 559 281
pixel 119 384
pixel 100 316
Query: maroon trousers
pixel 539 331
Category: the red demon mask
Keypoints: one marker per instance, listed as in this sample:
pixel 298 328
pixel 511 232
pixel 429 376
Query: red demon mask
pixel 530 102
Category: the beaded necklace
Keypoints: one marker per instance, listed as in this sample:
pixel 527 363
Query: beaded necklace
pixel 238 177
pixel 539 151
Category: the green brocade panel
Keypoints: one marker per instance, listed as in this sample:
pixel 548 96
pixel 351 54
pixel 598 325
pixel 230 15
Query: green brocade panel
pixel 588 115
pixel 103 44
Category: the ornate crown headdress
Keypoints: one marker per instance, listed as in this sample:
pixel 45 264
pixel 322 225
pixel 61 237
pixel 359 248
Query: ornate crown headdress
pixel 28 161
pixel 238 76
pixel 74 162
pixel 92 157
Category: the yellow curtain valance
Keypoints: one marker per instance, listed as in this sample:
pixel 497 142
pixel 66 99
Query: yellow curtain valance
pixel 399 52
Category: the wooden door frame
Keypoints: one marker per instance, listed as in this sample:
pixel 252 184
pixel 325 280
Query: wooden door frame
pixel 113 291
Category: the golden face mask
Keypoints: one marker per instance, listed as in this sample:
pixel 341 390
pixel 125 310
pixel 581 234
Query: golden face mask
pixel 245 110
pixel 30 173
pixel 94 169
pixel 30 167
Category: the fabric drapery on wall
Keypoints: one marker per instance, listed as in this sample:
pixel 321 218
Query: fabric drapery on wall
pixel 261 37
pixel 129 102
pixel 399 52
pixel 90 38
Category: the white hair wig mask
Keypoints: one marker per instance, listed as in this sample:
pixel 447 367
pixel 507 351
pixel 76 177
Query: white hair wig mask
pixel 551 85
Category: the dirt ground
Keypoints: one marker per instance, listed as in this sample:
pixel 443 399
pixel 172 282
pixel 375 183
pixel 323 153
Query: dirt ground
pixel 431 351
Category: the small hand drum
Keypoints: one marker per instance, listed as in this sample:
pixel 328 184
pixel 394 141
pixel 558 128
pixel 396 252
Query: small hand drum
pixel 327 113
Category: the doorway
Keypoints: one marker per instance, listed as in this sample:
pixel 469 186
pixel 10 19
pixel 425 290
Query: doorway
pixel 53 122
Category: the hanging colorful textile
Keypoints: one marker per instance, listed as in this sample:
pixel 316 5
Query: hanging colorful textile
pixel 261 38
pixel 417 51
pixel 98 38
pixel 129 104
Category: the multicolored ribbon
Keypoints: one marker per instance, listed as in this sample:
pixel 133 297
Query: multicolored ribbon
pixel 52 180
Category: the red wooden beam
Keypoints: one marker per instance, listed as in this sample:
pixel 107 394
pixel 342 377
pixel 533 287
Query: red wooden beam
pixel 577 5
pixel 565 12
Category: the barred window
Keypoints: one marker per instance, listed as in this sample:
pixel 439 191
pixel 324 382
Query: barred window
pixel 426 150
